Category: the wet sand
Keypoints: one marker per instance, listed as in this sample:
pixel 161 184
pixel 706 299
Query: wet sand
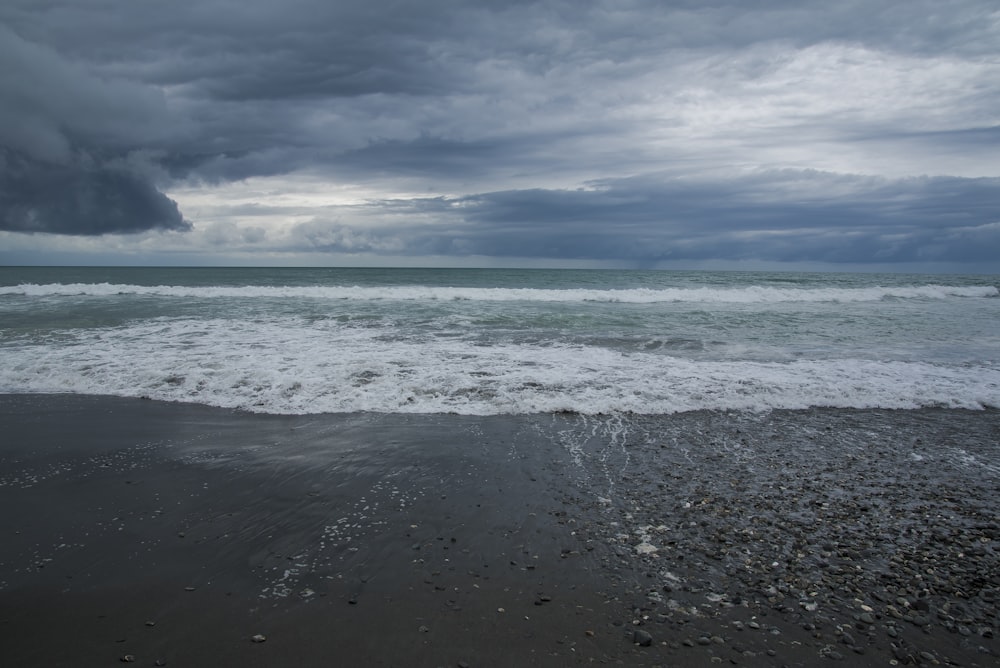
pixel 174 534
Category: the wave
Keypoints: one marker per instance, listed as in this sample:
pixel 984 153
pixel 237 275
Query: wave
pixel 271 368
pixel 747 295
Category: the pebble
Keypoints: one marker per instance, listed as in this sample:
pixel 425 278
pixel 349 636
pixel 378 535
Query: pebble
pixel 127 658
pixel 642 638
pixel 259 637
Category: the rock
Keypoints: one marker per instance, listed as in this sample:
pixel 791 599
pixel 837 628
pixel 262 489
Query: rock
pixel 259 637
pixel 127 658
pixel 642 638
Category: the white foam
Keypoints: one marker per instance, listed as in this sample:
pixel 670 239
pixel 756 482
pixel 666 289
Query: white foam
pixel 745 295
pixel 291 366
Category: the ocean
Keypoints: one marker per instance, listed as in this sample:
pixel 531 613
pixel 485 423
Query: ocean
pixel 567 457
pixel 502 341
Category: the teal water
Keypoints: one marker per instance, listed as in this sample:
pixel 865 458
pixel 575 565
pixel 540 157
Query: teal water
pixel 291 340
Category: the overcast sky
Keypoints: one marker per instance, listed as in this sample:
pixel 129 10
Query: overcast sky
pixel 659 133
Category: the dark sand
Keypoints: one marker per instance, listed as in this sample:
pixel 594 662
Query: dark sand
pixel 174 534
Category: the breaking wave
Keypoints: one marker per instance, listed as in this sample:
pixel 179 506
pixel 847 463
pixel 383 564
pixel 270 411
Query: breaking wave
pixel 747 295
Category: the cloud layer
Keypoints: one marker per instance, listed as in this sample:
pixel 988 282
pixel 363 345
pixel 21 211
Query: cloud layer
pixel 637 132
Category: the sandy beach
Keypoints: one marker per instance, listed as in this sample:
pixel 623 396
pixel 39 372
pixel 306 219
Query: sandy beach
pixel 183 535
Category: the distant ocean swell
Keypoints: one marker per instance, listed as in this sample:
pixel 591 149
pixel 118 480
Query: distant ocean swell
pixel 746 295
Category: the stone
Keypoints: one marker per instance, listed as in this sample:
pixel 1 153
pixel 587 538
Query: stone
pixel 642 638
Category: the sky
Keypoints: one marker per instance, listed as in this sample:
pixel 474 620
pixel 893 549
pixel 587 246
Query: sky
pixel 743 134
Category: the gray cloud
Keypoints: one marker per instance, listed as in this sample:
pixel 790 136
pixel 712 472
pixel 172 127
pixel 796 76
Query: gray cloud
pixel 778 129
pixel 51 105
pixel 71 158
pixel 80 200
pixel 834 219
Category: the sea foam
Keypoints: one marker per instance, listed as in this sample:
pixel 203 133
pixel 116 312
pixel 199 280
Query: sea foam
pixel 322 367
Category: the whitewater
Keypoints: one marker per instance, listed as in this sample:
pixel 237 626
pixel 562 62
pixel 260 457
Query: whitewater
pixel 483 342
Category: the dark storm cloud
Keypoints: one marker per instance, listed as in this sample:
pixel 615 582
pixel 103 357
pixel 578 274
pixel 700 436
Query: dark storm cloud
pixel 832 219
pixel 70 158
pixel 80 200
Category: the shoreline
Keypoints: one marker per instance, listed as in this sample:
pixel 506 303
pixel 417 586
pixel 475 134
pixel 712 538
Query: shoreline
pixel 177 532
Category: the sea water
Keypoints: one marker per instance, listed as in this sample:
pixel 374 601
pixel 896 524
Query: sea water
pixel 487 341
